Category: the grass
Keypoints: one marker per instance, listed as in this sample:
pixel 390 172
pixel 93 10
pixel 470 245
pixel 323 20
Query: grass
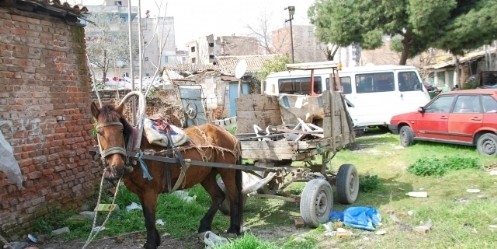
pixel 460 219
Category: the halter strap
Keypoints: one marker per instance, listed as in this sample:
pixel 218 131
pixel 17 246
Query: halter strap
pixel 109 124
pixel 111 150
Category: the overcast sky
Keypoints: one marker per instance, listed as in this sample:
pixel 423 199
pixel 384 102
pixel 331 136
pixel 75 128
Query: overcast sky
pixel 197 18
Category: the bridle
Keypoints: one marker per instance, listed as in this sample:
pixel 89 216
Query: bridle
pixel 114 149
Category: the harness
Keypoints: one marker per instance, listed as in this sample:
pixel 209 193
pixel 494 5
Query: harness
pixel 167 170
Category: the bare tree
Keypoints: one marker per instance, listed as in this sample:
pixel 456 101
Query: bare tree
pixel 263 32
pixel 106 42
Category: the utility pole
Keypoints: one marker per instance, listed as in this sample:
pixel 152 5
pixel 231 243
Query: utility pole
pixel 291 11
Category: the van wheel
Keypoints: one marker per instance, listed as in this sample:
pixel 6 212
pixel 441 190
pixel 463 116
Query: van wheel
pixel 406 136
pixel 487 144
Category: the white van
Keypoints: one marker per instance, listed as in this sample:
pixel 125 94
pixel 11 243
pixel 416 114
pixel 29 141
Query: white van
pixel 373 93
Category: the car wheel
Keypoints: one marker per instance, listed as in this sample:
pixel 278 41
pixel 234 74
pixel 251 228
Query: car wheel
pixel 406 136
pixel 487 144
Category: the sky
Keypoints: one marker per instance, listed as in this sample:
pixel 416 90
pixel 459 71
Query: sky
pixel 198 18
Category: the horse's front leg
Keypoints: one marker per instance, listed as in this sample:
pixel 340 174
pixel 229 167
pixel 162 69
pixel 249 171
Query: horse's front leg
pixel 149 205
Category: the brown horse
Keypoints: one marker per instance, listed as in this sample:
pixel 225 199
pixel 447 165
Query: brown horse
pixel 207 143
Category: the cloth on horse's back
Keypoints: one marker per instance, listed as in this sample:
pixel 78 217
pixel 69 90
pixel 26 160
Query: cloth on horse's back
pixel 155 130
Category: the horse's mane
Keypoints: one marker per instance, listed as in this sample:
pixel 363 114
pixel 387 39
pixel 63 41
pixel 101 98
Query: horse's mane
pixel 108 113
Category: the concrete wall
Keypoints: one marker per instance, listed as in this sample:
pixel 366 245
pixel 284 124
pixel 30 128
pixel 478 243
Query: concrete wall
pixel 43 77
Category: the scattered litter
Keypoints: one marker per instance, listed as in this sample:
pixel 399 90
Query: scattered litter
pixel 184 196
pixel 336 216
pixel 32 238
pixel 381 232
pixel 212 240
pixel 328 229
pixel 159 222
pixel 133 206
pixel 60 231
pixel 88 214
pixel 341 232
pixel 492 227
pixel 98 229
pixel 420 194
pixel 410 213
pixel 473 190
pixel 424 228
pixel 367 218
pixel 493 172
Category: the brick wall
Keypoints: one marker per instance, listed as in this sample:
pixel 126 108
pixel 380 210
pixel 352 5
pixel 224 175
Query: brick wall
pixel 43 75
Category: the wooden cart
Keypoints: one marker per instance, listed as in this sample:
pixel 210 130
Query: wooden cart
pixel 276 143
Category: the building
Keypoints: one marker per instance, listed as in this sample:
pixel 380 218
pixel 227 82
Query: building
pixel 158 43
pixel 306 47
pixel 205 49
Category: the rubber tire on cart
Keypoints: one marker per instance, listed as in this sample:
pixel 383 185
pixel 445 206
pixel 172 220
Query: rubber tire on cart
pixel 347 184
pixel 406 136
pixel 487 144
pixel 316 202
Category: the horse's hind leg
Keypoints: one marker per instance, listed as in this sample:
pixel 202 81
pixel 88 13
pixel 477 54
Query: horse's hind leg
pixel 233 182
pixel 149 205
pixel 217 197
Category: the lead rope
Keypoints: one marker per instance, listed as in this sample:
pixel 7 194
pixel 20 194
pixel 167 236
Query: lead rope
pixel 94 232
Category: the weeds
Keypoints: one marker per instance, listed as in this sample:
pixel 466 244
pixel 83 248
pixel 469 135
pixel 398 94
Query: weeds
pixel 369 183
pixel 438 167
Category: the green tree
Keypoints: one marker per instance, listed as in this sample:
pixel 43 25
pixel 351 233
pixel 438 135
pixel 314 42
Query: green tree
pixel 277 64
pixel 415 25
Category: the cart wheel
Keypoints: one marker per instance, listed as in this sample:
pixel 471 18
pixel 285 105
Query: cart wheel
pixel 347 184
pixel 316 202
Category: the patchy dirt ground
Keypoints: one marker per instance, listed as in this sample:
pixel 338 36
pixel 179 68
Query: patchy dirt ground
pixel 128 241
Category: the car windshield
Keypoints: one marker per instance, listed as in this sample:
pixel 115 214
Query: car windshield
pixel 440 105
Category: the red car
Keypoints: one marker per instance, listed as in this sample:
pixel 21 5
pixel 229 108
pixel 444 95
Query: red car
pixel 466 117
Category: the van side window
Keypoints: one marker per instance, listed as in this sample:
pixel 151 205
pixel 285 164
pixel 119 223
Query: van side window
pixel 345 84
pixel 409 81
pixel 299 85
pixel 374 82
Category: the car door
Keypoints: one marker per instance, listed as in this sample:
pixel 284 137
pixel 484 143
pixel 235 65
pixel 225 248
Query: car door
pixel 433 124
pixel 465 119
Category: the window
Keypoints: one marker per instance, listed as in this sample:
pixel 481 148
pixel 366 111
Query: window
pixel 192 49
pixel 118 3
pixel 166 59
pixel 146 58
pixel 299 85
pixel 467 104
pixel 193 60
pixel 440 105
pixel 489 104
pixel 374 82
pixel 345 84
pixel 211 56
pixel 409 81
pixel 211 44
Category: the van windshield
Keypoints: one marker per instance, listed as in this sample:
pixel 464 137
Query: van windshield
pixel 299 85
pixel 375 82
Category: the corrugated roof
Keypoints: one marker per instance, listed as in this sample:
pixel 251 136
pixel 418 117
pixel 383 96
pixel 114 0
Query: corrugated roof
pixel 224 64
pixel 51 7
pixel 469 57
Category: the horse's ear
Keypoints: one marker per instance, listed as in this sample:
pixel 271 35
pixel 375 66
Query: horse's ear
pixel 120 108
pixel 94 110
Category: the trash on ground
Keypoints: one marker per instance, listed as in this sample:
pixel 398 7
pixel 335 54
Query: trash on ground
pixel 492 227
pixel 410 213
pixel 133 206
pixel 328 229
pixel 380 232
pixel 60 231
pixel 493 172
pixel 159 222
pixel 473 190
pixel 98 229
pixel 212 240
pixel 424 228
pixel 420 194
pixel 367 218
pixel 336 215
pixel 32 238
pixel 184 196
pixel 341 232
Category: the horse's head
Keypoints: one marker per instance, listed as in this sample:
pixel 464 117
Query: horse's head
pixel 113 133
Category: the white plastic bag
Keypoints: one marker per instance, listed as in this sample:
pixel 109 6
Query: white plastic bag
pixel 8 163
